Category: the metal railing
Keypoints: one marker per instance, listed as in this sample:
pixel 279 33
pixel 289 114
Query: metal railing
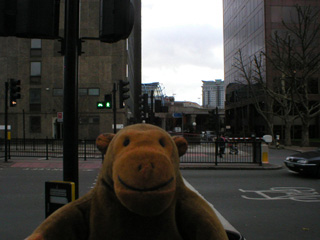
pixel 48 148
pixel 238 152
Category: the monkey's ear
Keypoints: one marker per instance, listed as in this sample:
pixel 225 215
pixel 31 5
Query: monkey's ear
pixel 181 144
pixel 103 141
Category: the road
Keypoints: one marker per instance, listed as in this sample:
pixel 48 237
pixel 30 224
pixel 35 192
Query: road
pixel 22 200
pixel 261 204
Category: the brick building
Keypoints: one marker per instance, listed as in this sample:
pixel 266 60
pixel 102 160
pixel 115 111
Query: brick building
pixel 39 66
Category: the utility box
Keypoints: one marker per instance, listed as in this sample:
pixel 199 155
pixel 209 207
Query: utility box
pixel 58 194
pixel 264 153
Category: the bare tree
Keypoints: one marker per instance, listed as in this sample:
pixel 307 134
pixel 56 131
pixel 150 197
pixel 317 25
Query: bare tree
pixel 277 100
pixel 295 54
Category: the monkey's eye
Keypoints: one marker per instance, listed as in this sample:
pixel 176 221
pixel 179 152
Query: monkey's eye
pixel 126 142
pixel 161 141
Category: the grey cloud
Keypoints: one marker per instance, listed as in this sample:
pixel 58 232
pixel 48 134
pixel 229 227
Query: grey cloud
pixel 182 45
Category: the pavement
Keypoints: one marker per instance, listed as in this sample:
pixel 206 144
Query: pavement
pixel 297 148
pixel 31 163
pixel 230 166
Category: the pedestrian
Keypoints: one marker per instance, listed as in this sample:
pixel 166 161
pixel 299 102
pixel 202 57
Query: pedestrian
pixel 222 145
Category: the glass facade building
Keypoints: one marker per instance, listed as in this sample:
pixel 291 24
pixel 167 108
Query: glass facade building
pixel 249 26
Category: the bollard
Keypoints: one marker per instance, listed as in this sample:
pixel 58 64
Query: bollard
pixel 264 153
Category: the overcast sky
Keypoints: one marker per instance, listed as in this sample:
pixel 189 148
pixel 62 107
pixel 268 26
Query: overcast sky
pixel 182 44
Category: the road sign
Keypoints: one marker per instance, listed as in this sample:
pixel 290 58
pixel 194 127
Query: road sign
pixel 57 194
pixel 119 126
pixel 60 116
pixel 177 115
pixel 3 126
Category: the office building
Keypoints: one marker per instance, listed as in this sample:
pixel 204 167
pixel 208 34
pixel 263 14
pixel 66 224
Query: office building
pixel 213 94
pixel 249 26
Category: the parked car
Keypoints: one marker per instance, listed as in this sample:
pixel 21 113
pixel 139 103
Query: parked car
pixel 307 163
pixel 208 136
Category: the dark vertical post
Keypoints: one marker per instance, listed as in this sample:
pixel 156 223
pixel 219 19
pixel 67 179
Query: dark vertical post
pixel 6 122
pixel 218 122
pixel 24 130
pixel 70 103
pixel 9 149
pixel 47 148
pixel 216 152
pixel 114 91
pixel 152 108
pixel 85 150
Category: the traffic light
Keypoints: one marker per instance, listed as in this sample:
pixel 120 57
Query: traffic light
pixel 158 106
pixel 116 20
pixel 38 19
pixel 30 18
pixel 14 91
pixel 108 101
pixel 100 105
pixel 122 92
pixel 144 106
pixel 8 17
pixel 106 104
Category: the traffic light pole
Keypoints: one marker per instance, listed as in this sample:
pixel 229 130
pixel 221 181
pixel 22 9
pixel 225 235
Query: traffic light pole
pixel 114 91
pixel 70 103
pixel 6 122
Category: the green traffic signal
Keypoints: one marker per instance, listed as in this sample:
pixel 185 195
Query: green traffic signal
pixel 107 104
pixel 108 101
pixel 100 105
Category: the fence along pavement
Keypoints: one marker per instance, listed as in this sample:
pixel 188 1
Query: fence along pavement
pixel 52 148
pixel 234 152
pixel 240 151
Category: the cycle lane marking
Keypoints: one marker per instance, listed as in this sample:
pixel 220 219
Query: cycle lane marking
pixel 300 194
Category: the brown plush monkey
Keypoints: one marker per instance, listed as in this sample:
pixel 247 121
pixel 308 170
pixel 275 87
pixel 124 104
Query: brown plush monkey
pixel 139 194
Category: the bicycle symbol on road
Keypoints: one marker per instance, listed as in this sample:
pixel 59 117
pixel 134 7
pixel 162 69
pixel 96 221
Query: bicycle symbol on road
pixel 301 194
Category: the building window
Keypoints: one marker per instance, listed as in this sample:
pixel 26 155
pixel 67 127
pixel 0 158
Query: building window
pixel 83 120
pixel 83 92
pixel 35 124
pixel 35 99
pixel 94 120
pixel 89 120
pixel 35 50
pixel 35 43
pixel 57 92
pixel 93 91
pixel 35 73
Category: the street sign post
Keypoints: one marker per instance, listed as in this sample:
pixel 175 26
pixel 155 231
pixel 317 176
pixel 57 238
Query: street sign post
pixel 58 194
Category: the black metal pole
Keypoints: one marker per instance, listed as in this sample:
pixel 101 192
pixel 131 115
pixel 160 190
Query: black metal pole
pixel 151 106
pixel 24 128
pixel 114 107
pixel 70 103
pixel 6 122
pixel 218 122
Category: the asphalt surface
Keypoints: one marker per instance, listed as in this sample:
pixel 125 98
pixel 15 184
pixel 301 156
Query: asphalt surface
pixel 262 205
pixel 22 187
